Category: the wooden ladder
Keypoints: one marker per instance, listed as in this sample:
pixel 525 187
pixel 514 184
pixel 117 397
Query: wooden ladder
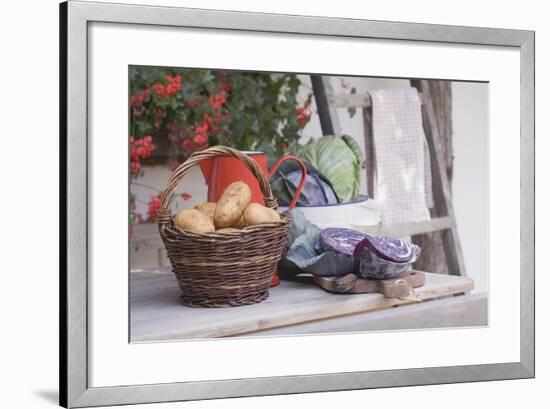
pixel 443 217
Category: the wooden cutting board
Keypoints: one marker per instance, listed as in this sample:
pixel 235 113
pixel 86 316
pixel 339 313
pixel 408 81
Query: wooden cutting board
pixel 391 288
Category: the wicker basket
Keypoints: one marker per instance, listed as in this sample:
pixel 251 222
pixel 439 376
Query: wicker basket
pixel 222 270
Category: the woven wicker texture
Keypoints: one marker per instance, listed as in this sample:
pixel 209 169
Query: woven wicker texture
pixel 222 270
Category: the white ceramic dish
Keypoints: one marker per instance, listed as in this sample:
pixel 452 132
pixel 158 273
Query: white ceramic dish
pixel 360 212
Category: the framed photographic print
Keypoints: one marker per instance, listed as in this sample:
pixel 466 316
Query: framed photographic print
pixel 252 203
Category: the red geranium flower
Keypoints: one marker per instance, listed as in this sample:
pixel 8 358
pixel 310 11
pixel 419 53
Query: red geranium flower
pixel 216 101
pixel 225 86
pixel 153 209
pixel 139 149
pixel 303 115
pixel 187 144
pixel 200 138
pixel 174 86
pixel 207 122
pixel 137 100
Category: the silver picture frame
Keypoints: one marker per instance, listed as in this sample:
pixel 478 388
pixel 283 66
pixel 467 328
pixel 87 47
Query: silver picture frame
pixel 75 16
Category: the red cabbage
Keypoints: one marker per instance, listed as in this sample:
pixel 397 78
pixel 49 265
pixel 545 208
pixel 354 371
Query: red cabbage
pixel 338 251
pixel 369 265
pixel 341 240
pixel 398 251
pixel 345 240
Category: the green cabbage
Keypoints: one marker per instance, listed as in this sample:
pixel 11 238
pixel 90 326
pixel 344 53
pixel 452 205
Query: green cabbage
pixel 340 160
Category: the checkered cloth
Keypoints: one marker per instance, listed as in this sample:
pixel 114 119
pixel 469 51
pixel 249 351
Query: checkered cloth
pixel 402 173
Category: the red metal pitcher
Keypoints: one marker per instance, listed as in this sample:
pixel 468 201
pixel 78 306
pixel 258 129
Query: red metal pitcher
pixel 221 171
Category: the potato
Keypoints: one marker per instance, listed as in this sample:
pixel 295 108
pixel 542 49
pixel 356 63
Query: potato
pixel 228 230
pixel 255 214
pixel 208 208
pixel 194 220
pixel 240 223
pixel 231 204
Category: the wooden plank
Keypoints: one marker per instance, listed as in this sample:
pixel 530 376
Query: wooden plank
pixel 433 255
pixel 370 157
pixel 158 315
pixel 443 205
pixel 330 124
pixel 391 288
pixel 355 100
pixel 350 101
pixel 408 229
pixel 451 312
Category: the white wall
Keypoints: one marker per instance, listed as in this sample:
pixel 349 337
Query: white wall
pixel 471 177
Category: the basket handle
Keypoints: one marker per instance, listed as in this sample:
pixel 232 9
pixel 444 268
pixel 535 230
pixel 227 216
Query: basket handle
pixel 164 214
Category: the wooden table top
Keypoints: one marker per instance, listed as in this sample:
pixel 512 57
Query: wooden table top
pixel 157 314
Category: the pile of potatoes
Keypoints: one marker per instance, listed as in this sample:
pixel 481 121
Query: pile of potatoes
pixel 232 212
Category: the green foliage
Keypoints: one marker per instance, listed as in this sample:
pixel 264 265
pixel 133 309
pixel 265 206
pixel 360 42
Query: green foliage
pixel 244 110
